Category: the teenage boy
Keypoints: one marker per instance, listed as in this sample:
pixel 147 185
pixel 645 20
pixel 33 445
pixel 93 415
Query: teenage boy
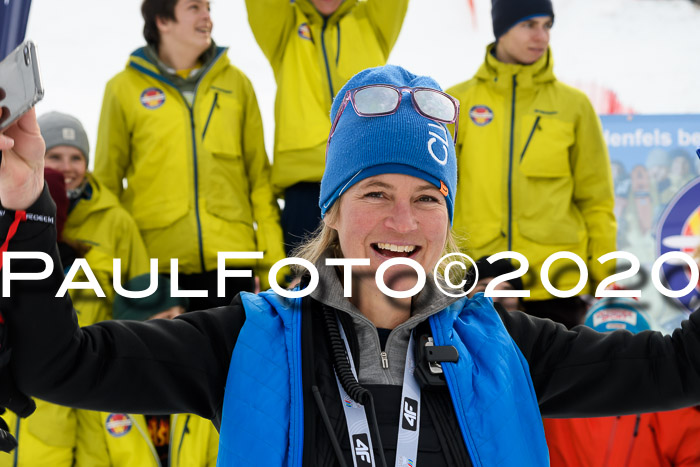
pixel 534 172
pixel 182 126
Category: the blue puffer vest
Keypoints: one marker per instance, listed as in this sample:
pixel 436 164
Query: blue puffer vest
pixel 262 420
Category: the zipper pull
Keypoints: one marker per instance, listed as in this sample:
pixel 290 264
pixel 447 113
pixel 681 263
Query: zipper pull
pixel 385 360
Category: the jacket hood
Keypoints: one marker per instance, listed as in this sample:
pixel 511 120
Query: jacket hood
pixel 312 13
pixel 541 71
pixel 140 60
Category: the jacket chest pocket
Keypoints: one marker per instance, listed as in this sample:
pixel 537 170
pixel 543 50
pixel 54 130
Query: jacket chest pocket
pixel 223 117
pixel 546 147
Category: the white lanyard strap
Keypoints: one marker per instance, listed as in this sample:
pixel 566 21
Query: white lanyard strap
pixel 409 423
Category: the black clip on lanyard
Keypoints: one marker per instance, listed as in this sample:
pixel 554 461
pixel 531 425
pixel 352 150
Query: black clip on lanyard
pixel 429 358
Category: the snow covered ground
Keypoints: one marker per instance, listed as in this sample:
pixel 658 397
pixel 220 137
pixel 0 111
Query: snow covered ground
pixel 647 51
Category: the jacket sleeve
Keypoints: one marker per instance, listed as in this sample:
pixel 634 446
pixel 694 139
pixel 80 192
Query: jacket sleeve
pixel 593 192
pixel 181 364
pixel 271 22
pixel 583 373
pixel 112 149
pixel 387 18
pixel 263 201
pixel 91 447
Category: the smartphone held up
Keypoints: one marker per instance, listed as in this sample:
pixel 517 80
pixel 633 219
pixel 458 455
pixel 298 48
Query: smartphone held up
pixel 20 83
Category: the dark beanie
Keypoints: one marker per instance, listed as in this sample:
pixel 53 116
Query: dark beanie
pixel 141 309
pixel 498 268
pixel 507 13
pixel 57 189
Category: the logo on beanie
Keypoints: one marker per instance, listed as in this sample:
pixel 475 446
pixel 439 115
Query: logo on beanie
pixel 305 32
pixel 68 134
pixel 441 137
pixel 118 424
pixel 481 115
pixel 152 98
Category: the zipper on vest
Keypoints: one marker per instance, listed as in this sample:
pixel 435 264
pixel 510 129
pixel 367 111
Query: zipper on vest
pixel 532 132
pixel 325 57
pixel 385 360
pixel 510 167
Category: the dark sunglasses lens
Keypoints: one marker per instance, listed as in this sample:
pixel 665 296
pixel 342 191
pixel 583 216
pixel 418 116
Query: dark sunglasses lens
pixel 435 105
pixel 376 100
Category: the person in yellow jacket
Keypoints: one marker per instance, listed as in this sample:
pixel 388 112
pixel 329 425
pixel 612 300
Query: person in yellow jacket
pixel 182 126
pixel 96 225
pixel 534 172
pixel 131 440
pixel 314 47
pixel 125 440
pixel 97 229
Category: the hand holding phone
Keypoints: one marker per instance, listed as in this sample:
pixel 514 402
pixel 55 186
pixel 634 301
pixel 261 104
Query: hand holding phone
pixel 20 83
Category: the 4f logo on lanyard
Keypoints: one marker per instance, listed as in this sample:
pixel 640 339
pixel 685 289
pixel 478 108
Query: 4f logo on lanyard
pixel 410 414
pixel 360 446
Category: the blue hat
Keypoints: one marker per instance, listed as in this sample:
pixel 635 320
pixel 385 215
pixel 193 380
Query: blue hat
pixel 610 314
pixel 404 142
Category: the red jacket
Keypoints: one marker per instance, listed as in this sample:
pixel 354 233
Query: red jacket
pixel 652 439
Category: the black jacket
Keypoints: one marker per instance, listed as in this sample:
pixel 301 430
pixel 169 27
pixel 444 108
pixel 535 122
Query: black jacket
pixel 181 365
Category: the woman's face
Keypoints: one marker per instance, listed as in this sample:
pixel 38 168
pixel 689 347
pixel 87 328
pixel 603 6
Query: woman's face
pixel 393 215
pixel 70 162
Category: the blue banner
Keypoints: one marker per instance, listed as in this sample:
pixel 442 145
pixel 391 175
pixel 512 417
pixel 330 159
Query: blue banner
pixel 13 24
pixel 656 174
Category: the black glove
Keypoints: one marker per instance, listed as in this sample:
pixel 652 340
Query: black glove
pixel 10 397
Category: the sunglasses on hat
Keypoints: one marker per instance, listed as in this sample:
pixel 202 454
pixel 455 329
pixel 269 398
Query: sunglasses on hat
pixel 378 100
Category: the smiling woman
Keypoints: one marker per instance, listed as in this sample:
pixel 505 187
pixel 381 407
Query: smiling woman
pixel 324 380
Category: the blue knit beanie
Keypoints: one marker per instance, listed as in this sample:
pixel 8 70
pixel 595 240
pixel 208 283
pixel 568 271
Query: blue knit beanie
pixel 404 142
pixel 610 314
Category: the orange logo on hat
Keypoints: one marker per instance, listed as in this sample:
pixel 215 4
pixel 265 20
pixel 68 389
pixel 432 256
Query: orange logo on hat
pixel 443 189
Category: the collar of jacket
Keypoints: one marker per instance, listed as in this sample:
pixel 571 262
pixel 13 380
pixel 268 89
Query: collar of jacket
pixel 500 74
pixel 140 61
pixel 101 200
pixel 314 16
pixel 429 301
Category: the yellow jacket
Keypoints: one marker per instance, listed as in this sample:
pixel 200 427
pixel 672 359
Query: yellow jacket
pixel 123 440
pixel 198 177
pixel 110 232
pixel 46 438
pixel 312 58
pixel 533 172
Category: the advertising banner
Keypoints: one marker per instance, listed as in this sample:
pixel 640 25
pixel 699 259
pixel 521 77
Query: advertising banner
pixel 656 174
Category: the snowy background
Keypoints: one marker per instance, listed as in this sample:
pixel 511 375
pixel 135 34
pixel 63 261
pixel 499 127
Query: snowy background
pixel 646 51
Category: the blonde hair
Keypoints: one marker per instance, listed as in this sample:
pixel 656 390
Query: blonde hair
pixel 325 239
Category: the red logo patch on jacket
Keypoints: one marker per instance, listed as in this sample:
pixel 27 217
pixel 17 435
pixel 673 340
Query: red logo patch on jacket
pixel 481 115
pixel 152 98
pixel 118 424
